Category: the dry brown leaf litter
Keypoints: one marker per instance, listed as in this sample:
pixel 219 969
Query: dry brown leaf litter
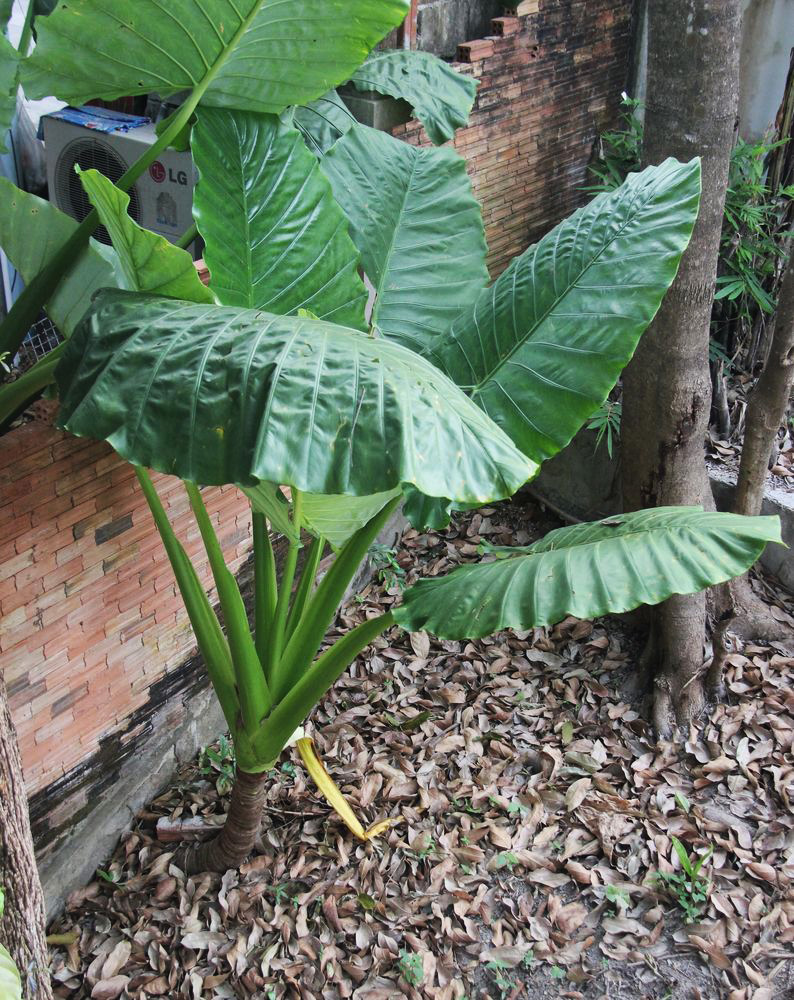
pixel 528 784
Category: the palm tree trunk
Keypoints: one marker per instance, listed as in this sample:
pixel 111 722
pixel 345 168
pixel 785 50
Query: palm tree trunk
pixel 22 929
pixel 691 107
pixel 236 840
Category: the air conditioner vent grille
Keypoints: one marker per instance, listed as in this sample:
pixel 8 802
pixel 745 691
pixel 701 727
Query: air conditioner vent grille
pixel 90 153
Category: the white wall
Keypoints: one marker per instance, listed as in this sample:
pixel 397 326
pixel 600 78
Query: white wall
pixel 768 39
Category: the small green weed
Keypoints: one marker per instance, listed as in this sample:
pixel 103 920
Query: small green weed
pixel 111 877
pixel 506 860
pixel 282 894
pixel 606 420
pixel 411 967
pixel 219 764
pixel 688 887
pixel 620 151
pixel 424 852
pixel 504 983
pixel 619 897
pixel 390 572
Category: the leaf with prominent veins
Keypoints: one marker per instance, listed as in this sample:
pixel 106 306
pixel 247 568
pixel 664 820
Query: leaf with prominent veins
pixel 541 349
pixel 149 262
pixel 275 238
pixel 419 229
pixel 588 570
pixel 32 232
pixel 441 97
pixel 257 55
pixel 216 394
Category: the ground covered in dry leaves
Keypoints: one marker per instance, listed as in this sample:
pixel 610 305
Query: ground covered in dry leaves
pixel 536 815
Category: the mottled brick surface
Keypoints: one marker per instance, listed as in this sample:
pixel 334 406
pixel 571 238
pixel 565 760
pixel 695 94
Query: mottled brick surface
pixel 550 81
pixel 90 618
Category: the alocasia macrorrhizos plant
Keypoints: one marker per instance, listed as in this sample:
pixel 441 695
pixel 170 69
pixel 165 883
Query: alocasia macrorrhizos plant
pixel 450 391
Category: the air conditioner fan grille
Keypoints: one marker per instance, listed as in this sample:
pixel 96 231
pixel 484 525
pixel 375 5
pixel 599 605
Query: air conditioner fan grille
pixel 89 154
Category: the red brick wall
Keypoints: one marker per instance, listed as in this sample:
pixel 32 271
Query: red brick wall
pixel 90 617
pixel 550 81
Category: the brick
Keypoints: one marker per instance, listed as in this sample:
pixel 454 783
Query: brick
pixel 87 614
pixel 70 517
pixel 10 567
pixel 44 532
pixel 13 527
pixel 11 621
pixel 61 572
pixel 19 598
pixel 474 51
pixel 506 26
pixel 92 576
pixel 50 507
pixel 113 529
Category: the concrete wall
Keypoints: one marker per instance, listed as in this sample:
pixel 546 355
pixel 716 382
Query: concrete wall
pixel 443 24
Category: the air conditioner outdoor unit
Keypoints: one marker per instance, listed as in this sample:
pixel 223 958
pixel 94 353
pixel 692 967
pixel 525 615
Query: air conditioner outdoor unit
pixel 162 197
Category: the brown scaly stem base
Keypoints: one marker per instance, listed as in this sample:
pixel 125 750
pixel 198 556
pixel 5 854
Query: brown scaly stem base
pixel 236 840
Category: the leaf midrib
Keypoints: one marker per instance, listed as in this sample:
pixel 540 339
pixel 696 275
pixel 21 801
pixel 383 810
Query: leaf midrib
pixel 618 535
pixel 478 387
pixel 390 252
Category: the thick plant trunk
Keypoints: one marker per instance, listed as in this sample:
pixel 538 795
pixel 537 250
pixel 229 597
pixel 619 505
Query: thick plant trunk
pixel 765 413
pixel 236 840
pixel 22 929
pixel 693 63
pixel 768 404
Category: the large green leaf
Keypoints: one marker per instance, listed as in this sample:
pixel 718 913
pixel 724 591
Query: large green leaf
pixel 149 262
pixel 541 349
pixel 335 518
pixel 32 231
pixel 10 981
pixel 9 82
pixel 442 98
pixel 338 518
pixel 418 227
pixel 215 394
pixel 323 122
pixel 257 55
pixel 276 239
pixel 588 570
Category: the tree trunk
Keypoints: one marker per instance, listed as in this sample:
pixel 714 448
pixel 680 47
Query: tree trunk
pixel 22 929
pixel 768 403
pixel 236 840
pixel 691 108
pixel 750 616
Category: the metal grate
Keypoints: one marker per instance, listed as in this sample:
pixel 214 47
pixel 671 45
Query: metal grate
pixel 43 337
pixel 91 153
